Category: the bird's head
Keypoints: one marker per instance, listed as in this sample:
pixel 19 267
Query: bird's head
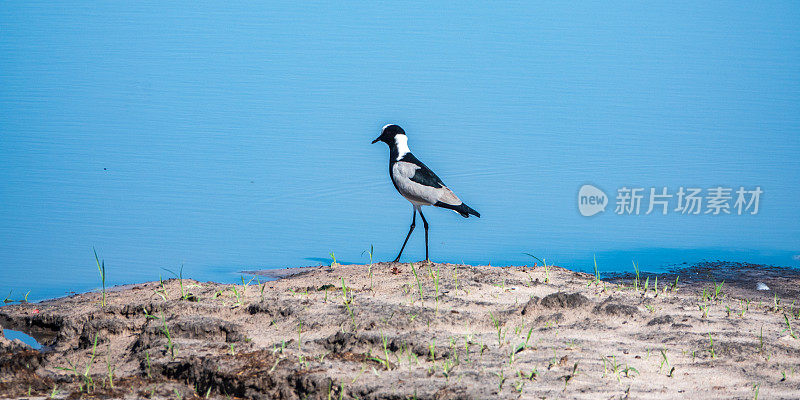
pixel 388 134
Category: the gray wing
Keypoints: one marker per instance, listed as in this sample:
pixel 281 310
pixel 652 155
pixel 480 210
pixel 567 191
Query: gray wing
pixel 410 179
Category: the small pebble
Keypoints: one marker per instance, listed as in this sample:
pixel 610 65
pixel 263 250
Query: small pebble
pixel 761 286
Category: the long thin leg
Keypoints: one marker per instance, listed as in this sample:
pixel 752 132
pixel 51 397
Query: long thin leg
pixel 413 221
pixel 425 223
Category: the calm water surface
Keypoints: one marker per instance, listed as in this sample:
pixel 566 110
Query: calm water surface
pixel 226 138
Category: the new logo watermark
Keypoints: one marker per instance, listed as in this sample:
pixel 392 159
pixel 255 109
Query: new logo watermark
pixel 718 200
pixel 591 200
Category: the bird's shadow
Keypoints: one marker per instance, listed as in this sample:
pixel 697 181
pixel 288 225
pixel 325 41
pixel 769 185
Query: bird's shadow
pixel 327 261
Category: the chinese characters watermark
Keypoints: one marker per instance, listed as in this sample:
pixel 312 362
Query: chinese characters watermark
pixel 716 200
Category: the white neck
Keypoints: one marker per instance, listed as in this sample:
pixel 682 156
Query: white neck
pixel 401 142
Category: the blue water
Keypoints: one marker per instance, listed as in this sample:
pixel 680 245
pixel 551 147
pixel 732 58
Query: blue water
pixel 228 137
pixel 11 334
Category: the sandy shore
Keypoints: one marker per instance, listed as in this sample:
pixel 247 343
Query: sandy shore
pixel 440 331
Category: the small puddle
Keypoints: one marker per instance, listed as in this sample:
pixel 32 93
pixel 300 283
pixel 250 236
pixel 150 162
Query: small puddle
pixel 11 334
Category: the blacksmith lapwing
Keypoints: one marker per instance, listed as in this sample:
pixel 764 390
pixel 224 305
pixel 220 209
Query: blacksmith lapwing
pixel 416 182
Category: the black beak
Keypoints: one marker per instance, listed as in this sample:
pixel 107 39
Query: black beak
pixel 376 140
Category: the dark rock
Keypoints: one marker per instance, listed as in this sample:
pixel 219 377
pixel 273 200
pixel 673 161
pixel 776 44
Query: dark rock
pixel 530 306
pixel 664 319
pixel 564 300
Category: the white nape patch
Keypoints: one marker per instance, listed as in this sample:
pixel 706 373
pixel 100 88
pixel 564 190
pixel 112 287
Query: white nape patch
pixel 401 142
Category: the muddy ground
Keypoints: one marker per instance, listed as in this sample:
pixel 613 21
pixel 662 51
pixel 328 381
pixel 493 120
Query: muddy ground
pixel 406 331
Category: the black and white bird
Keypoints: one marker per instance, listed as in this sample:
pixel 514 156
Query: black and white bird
pixel 416 182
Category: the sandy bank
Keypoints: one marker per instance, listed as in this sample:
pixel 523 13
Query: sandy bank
pixel 438 331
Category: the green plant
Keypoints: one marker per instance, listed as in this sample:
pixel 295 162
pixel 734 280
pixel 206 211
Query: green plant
pixel 789 326
pixel 54 393
pixel 596 272
pixel 544 264
pixel 179 276
pixel 419 285
pixel 262 285
pixel 636 280
pixel 110 369
pixel 101 268
pixel 299 338
pixel 371 251
pixel 704 308
pixel 333 257
pixel 165 330
pixel 385 360
pixel 663 359
pixel 745 304
pixel 88 382
pixel 718 290
pixel 245 285
pixel 655 285
pixel 711 346
pixel 497 325
pixel 147 363
pixel 6 300
pixel 347 302
pixel 237 295
pixel 502 380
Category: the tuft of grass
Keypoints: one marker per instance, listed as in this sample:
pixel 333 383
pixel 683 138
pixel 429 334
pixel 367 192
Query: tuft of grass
pixel 789 326
pixel 147 363
pixel 101 268
pixel 371 252
pixel 179 276
pixel 497 325
pixel 333 258
pixel 88 382
pixel 636 280
pixel 655 285
pixel 110 369
pixel 237 294
pixel 544 264
pixel 711 346
pixel 165 330
pixel 385 360
pixel 664 359
pixel 419 284
pixel 596 272
pixel 262 285
pixel 347 302
pixel 54 393
pixel 718 290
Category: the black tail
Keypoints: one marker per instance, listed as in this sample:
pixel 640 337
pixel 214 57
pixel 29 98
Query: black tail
pixel 462 209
